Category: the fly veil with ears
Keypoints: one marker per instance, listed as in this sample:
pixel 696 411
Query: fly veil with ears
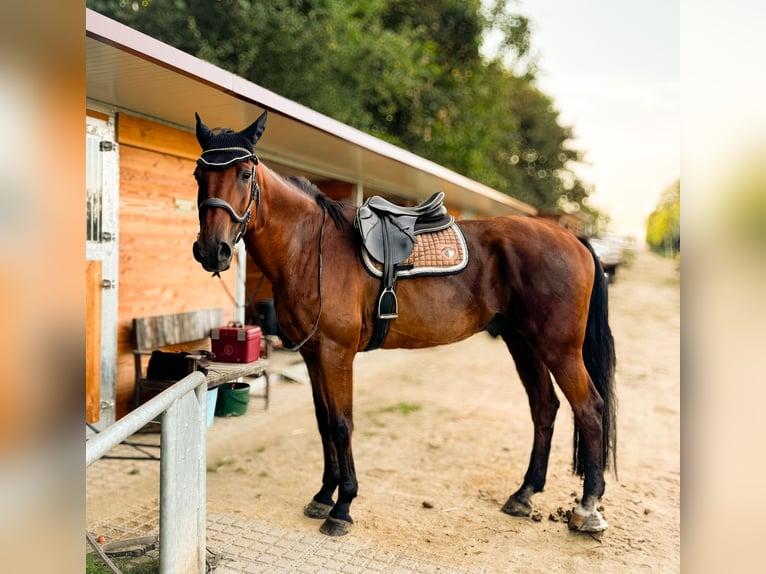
pixel 223 149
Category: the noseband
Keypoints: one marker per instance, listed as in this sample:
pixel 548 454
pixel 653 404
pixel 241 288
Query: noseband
pixel 255 190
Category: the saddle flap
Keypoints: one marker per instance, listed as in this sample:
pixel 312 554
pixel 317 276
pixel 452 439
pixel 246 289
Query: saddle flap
pixel 365 221
pixel 378 230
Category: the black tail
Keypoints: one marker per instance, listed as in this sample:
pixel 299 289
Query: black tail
pixel 599 357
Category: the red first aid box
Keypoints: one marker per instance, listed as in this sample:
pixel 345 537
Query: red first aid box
pixel 236 344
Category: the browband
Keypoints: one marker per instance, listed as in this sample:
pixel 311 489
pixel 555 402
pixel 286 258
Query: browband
pixel 238 154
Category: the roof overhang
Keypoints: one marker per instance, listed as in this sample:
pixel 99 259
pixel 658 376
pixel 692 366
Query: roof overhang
pixel 134 72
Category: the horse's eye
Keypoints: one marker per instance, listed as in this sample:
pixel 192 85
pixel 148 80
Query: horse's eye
pixel 246 175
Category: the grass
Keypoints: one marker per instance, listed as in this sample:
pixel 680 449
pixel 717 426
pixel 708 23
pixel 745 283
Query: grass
pixel 399 408
pixel 217 465
pixel 94 565
pixel 403 408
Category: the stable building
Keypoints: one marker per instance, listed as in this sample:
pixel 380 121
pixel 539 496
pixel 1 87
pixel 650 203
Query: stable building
pixel 141 212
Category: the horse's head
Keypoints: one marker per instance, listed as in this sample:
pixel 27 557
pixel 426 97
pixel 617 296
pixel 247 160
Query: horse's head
pixel 227 190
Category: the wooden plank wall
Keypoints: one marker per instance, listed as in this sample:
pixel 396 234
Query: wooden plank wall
pixel 157 273
pixel 337 190
pixel 93 341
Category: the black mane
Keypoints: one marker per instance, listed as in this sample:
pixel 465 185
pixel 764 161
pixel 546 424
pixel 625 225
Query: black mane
pixel 334 208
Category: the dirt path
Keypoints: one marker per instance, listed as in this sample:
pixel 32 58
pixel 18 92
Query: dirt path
pixel 451 427
pixel 443 436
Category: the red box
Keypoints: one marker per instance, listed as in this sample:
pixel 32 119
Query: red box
pixel 236 344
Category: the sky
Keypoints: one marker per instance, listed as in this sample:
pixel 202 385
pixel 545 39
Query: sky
pixel 612 70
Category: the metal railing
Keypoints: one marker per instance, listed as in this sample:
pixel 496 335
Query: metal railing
pixel 182 468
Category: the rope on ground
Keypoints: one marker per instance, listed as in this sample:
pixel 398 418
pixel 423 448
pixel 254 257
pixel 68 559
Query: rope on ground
pixel 97 547
pixel 211 562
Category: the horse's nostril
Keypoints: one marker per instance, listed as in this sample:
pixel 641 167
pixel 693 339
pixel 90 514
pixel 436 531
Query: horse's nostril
pixel 196 252
pixel 224 251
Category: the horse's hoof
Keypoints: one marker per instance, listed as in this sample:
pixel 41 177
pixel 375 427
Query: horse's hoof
pixel 592 522
pixel 335 527
pixel 316 509
pixel 515 507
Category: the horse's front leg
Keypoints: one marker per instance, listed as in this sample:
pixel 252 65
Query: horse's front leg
pixel 323 501
pixel 331 376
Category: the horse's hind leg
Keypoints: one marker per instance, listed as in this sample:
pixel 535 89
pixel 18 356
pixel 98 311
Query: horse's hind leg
pixel 587 407
pixel 543 403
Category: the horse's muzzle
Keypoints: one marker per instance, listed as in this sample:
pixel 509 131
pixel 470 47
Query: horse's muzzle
pixel 216 259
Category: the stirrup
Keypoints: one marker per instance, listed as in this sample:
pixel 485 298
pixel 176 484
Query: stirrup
pixel 394 313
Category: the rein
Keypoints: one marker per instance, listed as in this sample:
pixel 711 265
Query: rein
pixel 319 285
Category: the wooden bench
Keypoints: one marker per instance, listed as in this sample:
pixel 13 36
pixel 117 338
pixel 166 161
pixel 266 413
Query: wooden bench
pixel 190 330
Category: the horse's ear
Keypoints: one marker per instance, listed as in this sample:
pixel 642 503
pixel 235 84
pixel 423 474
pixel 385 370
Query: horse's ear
pixel 254 132
pixel 203 132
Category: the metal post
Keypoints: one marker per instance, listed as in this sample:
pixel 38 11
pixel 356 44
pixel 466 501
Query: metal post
pixel 241 279
pixel 182 468
pixel 201 496
pixel 182 480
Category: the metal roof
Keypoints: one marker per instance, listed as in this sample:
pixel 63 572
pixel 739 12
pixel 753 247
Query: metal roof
pixel 134 72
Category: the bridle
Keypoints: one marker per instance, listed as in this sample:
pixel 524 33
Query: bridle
pixel 255 190
pixel 244 219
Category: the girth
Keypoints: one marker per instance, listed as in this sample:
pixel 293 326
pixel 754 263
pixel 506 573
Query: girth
pixel 387 232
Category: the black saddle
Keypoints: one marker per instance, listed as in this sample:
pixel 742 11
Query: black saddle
pixel 384 225
pixel 388 233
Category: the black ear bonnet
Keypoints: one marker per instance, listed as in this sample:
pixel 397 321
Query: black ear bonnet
pixel 223 149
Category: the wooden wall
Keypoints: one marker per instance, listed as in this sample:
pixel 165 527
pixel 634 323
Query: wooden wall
pixel 337 190
pixel 157 273
pixel 92 341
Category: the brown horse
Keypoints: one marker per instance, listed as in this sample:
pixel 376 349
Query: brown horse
pixel 531 282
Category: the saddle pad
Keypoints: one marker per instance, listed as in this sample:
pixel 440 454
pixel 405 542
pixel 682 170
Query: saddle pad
pixel 440 252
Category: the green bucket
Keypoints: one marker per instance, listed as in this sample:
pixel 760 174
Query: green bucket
pixel 232 399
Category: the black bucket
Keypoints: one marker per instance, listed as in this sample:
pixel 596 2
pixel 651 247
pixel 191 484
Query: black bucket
pixel 267 316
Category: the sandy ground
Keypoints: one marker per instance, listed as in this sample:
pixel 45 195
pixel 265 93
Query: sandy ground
pixel 443 437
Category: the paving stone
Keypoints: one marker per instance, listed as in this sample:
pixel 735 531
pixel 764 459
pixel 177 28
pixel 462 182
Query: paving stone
pixel 306 567
pixel 269 558
pixel 316 560
pixel 255 546
pixel 251 555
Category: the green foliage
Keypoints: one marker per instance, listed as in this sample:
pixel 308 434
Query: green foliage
pixel 410 73
pixel 663 228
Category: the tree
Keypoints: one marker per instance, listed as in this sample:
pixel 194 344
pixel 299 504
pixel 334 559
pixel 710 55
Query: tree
pixel 663 228
pixel 410 73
